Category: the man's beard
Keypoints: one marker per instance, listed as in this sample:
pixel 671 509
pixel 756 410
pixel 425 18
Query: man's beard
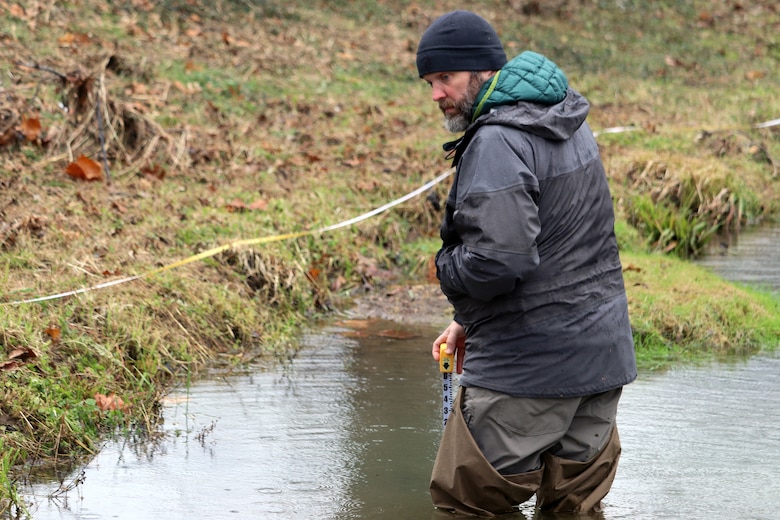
pixel 461 119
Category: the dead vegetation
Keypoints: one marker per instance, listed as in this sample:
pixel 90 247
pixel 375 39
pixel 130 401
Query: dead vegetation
pixel 95 122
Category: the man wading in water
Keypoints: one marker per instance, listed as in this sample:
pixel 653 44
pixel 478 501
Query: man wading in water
pixel 530 263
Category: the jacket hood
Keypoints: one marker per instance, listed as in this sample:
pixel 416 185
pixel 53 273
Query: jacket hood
pixel 531 93
pixel 528 77
pixel 557 122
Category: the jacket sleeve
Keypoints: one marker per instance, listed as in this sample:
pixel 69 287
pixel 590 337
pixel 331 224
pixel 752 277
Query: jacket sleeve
pixel 496 217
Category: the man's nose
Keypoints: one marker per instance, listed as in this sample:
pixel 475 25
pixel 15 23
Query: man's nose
pixel 437 93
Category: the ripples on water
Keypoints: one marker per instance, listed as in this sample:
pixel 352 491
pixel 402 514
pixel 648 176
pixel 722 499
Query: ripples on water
pixel 701 443
pixel 751 257
pixel 349 431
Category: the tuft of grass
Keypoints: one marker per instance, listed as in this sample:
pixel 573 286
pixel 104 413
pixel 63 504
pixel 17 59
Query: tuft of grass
pixel 678 206
pixel 11 503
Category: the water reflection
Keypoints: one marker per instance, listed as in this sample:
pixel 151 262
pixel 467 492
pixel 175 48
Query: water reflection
pixel 395 424
pixel 349 430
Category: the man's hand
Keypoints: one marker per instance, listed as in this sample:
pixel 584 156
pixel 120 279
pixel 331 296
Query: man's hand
pixel 455 338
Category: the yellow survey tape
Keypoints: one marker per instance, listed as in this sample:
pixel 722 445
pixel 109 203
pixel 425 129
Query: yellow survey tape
pixel 276 238
pixel 239 243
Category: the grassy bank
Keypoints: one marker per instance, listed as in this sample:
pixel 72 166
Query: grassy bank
pixel 222 121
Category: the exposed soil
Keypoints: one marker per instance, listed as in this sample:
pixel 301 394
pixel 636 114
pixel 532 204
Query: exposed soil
pixel 413 304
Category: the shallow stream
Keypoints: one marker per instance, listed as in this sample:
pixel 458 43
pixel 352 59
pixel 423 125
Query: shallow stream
pixel 750 257
pixel 348 430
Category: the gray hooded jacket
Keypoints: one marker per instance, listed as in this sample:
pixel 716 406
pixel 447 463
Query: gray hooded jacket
pixel 529 257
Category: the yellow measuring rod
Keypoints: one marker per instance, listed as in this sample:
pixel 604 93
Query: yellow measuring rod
pixel 446 364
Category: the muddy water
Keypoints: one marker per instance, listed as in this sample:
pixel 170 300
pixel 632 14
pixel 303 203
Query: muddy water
pixel 348 430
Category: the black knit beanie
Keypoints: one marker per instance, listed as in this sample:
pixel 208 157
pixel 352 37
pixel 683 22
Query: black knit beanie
pixel 458 41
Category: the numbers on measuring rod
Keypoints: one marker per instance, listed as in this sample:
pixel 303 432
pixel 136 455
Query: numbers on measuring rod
pixel 445 367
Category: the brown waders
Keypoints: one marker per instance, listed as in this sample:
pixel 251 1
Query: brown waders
pixel 529 454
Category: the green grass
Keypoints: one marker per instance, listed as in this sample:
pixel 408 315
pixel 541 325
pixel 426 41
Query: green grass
pixel 682 313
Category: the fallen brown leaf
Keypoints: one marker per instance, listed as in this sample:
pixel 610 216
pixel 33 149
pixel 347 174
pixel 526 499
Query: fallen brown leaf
pixel 258 205
pixel 85 169
pixel 632 267
pixel 73 38
pixel 54 333
pixel 16 359
pixel 22 354
pixel 235 205
pixel 110 402
pixel 31 128
pixel 17 11
pixel 9 365
pixel 155 170
pixel 121 208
